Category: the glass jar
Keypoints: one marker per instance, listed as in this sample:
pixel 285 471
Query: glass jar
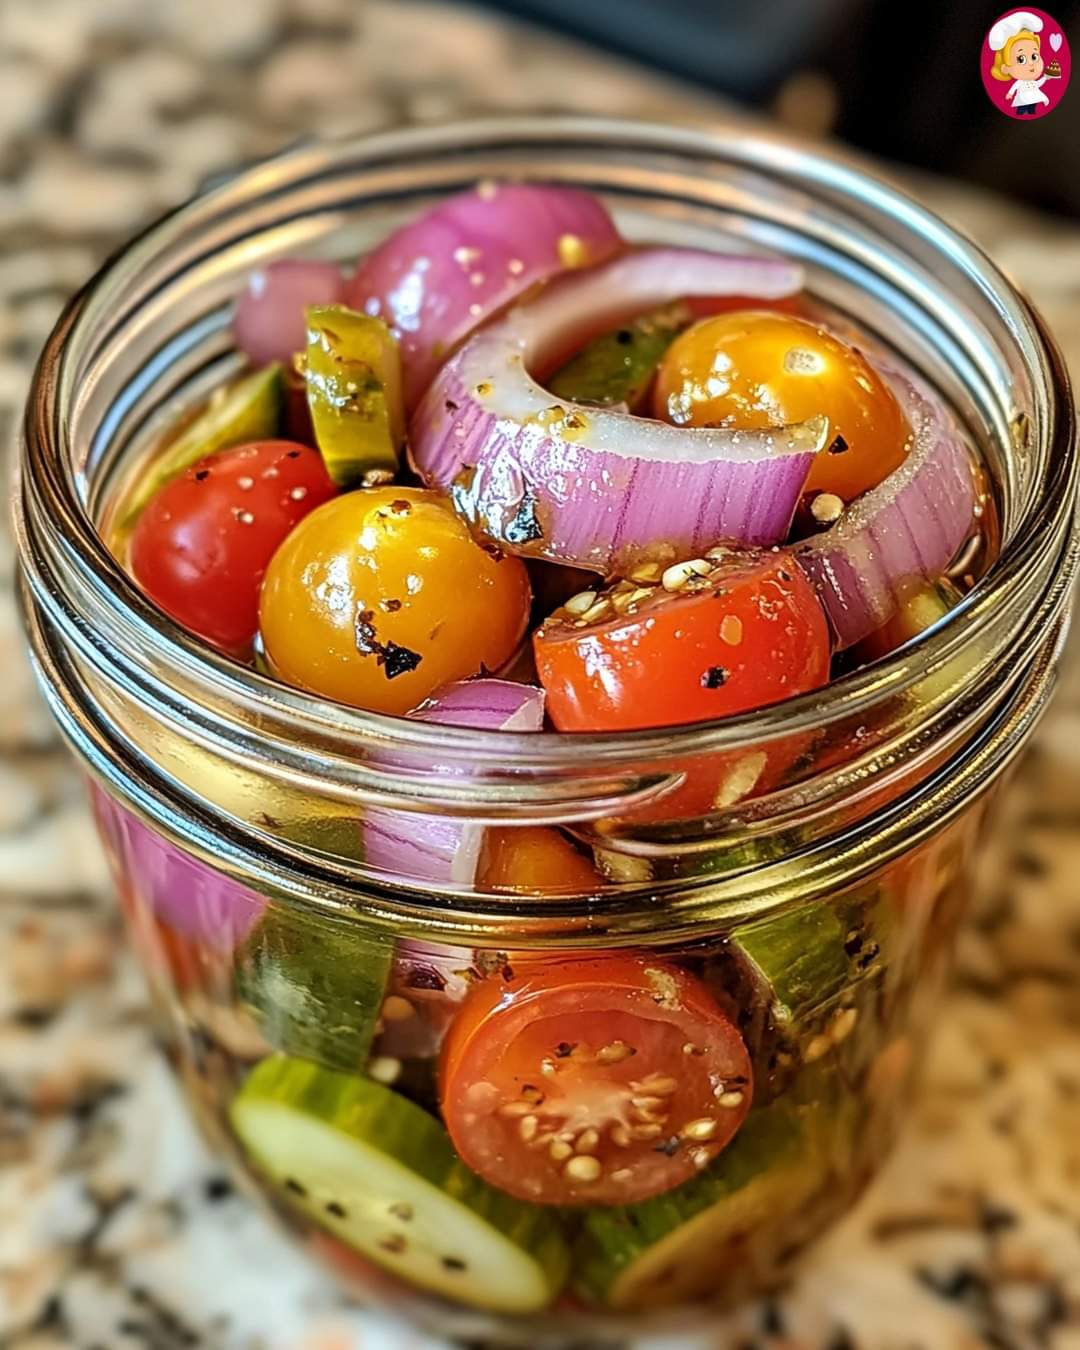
pixel 323 998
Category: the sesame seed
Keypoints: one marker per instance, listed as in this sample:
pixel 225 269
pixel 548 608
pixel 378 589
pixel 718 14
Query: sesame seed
pixel 827 508
pixel 731 630
pixel 397 1009
pixel 245 484
pixel 678 574
pixel 614 1053
pixel 587 1141
pixel 385 1069
pixel 640 594
pixel 719 554
pixel 572 251
pixel 513 1110
pixel 701 1129
pixel 298 494
pixel 820 1045
pixel 598 611
pixel 560 1150
pixel 528 1128
pixel 730 1099
pixel 645 572
pixel 843 1024
pixel 578 604
pixel 582 1168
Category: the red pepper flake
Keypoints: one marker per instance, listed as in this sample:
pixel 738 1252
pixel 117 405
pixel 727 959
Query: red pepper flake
pixel 714 677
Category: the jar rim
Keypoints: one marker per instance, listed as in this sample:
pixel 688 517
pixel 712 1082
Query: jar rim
pixel 63 498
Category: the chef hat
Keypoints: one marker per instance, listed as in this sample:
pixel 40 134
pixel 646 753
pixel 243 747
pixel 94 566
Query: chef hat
pixel 1012 24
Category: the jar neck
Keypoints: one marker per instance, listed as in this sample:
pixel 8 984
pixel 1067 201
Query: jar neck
pixel 198 743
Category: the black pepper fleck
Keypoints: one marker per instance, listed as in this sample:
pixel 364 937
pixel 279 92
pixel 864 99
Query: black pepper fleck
pixel 390 606
pixel 450 406
pixel 838 446
pixel 217 1188
pixel 453 1263
pixel 565 1049
pixel 669 1147
pixel 714 677
pixel 525 526
pixel 624 336
pixel 202 475
pixel 337 1210
pixel 399 660
pixel 291 1184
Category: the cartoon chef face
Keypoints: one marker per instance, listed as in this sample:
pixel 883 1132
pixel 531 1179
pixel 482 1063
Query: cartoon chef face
pixel 1021 58
pixel 1016 44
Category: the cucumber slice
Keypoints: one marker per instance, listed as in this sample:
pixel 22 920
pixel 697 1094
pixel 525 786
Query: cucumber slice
pixel 249 410
pixel 316 986
pixel 618 367
pixel 380 1174
pixel 353 372
pixel 799 958
pixel 669 1250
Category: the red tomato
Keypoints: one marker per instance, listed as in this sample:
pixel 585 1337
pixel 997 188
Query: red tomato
pixel 200 548
pixel 583 1082
pixel 748 631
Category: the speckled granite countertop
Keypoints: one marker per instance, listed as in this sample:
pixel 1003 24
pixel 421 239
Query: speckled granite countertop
pixel 116 1227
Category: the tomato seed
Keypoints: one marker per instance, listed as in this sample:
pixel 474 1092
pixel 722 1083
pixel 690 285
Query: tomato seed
pixel 582 1168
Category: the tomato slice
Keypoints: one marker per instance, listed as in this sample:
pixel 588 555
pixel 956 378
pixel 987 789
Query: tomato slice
pixel 587 1082
pixel 744 629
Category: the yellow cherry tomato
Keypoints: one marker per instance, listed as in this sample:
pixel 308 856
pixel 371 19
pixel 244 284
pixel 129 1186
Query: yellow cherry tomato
pixel 382 596
pixel 756 368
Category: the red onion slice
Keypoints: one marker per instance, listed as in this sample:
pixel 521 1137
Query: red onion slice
pixel 910 525
pixel 439 277
pixel 269 322
pixel 594 487
pixel 415 847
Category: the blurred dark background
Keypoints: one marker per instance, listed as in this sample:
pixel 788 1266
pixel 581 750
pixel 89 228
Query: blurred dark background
pixel 899 78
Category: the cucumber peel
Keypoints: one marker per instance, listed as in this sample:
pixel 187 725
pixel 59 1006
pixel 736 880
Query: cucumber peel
pixel 352 369
pixel 316 987
pixel 381 1174
pixel 798 956
pixel 618 367
pixel 249 410
pixel 669 1249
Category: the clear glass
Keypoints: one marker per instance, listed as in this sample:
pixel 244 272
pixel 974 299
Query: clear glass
pixel 816 913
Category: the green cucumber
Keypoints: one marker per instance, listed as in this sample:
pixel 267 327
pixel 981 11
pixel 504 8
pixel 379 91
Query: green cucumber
pixel 799 957
pixel 352 368
pixel 670 1249
pixel 249 410
pixel 618 367
pixel 381 1174
pixel 316 986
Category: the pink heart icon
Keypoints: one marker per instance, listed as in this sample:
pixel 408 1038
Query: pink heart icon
pixel 1055 42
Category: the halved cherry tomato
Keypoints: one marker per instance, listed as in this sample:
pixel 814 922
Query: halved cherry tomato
pixel 584 1082
pixel 533 860
pixel 747 629
pixel 201 546
pixel 759 368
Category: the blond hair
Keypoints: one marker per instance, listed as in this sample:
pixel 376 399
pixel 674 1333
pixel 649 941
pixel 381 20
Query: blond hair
pixel 1003 58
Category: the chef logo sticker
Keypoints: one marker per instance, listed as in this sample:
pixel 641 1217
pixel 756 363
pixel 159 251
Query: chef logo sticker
pixel 1025 63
